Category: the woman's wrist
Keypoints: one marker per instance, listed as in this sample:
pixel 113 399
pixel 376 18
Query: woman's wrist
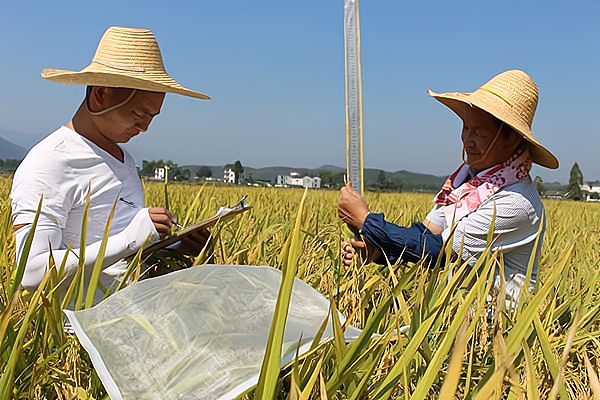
pixel 364 220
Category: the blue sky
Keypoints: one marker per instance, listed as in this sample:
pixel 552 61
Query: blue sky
pixel 275 70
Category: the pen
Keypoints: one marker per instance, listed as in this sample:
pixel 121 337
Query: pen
pixel 127 202
pixel 132 204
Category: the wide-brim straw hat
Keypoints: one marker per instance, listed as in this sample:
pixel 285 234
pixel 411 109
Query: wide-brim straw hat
pixel 512 97
pixel 125 58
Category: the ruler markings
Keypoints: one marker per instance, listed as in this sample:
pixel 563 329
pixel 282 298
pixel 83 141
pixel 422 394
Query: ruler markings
pixel 354 134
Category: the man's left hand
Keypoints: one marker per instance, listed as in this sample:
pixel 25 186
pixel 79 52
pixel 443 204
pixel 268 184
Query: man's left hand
pixel 193 243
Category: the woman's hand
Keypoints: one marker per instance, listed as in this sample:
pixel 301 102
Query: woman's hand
pixel 352 208
pixel 366 252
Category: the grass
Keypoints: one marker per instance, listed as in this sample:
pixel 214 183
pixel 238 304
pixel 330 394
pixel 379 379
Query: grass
pixel 548 347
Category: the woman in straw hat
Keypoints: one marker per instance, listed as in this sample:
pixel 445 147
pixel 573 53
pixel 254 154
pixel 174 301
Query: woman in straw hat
pixel 498 150
pixel 126 85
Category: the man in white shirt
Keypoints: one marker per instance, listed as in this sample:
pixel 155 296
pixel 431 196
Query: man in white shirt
pixel 126 86
pixel 498 150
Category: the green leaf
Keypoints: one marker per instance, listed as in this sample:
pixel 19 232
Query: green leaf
pixel 93 284
pixel 338 335
pixel 355 348
pixel 450 385
pixel 532 381
pixel 7 379
pixel 385 388
pixel 549 356
pixel 461 316
pixel 269 371
pixel 593 376
pixel 307 390
pixel 80 274
pixel 18 273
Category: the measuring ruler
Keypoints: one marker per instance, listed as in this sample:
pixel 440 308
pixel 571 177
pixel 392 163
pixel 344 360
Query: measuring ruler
pixel 353 85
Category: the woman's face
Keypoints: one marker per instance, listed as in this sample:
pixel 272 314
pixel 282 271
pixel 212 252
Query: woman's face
pixel 483 143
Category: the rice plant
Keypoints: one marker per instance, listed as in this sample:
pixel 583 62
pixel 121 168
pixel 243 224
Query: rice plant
pixel 424 336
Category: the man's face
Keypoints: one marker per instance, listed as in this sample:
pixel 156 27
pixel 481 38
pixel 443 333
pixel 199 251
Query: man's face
pixel 128 120
pixel 478 134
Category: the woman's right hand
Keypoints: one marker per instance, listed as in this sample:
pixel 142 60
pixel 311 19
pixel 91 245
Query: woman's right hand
pixel 352 207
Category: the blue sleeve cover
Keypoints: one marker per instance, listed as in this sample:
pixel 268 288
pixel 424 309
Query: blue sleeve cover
pixel 410 244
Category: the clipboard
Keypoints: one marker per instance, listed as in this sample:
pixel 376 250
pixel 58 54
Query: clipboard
pixel 223 214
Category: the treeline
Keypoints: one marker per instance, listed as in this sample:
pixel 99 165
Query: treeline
pixel 384 183
pixel 574 191
pixel 175 172
pixel 9 165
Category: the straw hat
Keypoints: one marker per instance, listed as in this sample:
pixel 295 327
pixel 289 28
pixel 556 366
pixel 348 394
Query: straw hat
pixel 512 97
pixel 126 58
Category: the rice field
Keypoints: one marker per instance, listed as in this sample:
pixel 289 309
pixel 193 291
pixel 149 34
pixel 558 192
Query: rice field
pixel 547 348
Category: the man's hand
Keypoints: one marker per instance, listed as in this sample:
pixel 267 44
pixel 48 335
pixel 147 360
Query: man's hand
pixel 162 219
pixel 367 252
pixel 352 208
pixel 193 243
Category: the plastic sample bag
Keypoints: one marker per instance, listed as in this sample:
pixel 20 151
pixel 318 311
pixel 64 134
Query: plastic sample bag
pixel 198 333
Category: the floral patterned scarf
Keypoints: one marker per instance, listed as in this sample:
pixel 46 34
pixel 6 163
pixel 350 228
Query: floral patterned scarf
pixel 462 199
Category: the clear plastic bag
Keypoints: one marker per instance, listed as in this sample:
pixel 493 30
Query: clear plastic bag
pixel 198 333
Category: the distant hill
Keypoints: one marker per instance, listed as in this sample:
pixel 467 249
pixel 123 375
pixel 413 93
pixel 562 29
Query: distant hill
pixel 332 168
pixel 9 150
pixel 24 140
pixel 410 180
pixel 555 186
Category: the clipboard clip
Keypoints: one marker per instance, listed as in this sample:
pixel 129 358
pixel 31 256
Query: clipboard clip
pixel 241 204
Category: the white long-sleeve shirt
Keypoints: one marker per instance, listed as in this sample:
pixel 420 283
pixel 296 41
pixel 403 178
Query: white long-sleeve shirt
pixel 63 168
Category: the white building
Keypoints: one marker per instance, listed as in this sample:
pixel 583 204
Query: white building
pixel 228 176
pixel 159 174
pixel 294 179
pixel 591 190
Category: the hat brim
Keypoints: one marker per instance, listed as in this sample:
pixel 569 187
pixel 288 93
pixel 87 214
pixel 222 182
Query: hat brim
pixel 460 102
pixel 158 82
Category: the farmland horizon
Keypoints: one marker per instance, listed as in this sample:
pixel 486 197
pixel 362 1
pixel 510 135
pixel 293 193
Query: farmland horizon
pixel 559 317
pixel 25 141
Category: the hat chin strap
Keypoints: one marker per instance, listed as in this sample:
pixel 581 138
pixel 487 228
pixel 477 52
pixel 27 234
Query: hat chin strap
pixel 111 108
pixel 487 150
